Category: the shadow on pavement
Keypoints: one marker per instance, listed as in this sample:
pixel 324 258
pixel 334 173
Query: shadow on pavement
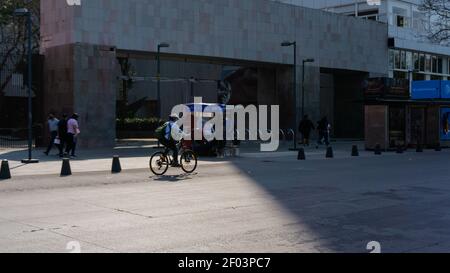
pixel 341 205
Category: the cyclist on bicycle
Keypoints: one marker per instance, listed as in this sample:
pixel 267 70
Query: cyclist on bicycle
pixel 164 135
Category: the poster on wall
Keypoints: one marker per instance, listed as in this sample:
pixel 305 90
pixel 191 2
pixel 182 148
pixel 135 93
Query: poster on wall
pixel 445 123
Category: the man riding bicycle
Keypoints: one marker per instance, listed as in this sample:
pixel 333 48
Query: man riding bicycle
pixel 169 135
pixel 165 137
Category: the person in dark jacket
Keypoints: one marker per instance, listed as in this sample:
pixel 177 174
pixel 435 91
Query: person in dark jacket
pixel 62 134
pixel 305 128
pixel 323 128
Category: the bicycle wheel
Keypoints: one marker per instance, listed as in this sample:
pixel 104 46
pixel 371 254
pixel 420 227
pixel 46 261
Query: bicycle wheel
pixel 188 161
pixel 159 163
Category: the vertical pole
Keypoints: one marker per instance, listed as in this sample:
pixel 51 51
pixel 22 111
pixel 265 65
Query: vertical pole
pixel 295 97
pixel 303 88
pixel 158 83
pixel 30 111
pixel 158 87
pixel 410 76
pixel 192 91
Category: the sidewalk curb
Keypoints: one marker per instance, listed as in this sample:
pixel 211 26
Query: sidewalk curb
pixel 106 170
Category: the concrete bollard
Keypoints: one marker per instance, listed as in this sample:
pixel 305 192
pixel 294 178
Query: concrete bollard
pixel 5 173
pixel 66 170
pixel 355 151
pixel 330 153
pixel 116 167
pixel 301 154
pixel 236 151
pixel 419 148
pixel 378 149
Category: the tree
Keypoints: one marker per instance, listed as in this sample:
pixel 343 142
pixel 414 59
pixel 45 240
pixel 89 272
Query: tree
pixel 438 12
pixel 13 45
pixel 13 37
pixel 125 110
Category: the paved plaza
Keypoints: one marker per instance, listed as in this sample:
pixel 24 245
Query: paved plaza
pixel 252 203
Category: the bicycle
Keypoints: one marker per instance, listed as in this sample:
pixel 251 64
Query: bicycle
pixel 161 160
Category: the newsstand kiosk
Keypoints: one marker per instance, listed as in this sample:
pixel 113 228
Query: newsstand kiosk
pixel 395 117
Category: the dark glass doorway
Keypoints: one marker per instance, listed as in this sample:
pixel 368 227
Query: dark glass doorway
pixel 397 125
pixel 418 125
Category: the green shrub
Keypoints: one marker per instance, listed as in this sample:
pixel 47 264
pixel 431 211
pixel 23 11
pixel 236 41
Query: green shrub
pixel 139 124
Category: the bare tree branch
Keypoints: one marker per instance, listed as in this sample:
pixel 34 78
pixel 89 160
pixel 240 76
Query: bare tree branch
pixel 13 43
pixel 438 13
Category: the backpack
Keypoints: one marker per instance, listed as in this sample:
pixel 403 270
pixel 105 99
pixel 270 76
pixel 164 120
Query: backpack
pixel 160 132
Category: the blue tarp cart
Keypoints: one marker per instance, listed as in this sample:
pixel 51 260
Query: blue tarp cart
pixel 200 114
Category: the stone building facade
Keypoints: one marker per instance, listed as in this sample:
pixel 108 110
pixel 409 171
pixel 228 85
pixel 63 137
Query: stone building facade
pixel 81 45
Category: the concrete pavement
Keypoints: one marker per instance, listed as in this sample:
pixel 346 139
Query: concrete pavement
pixel 135 155
pixel 88 160
pixel 249 204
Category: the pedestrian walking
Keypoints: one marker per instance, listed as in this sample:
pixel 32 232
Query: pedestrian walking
pixel 323 128
pixel 73 131
pixel 62 134
pixel 53 129
pixel 305 128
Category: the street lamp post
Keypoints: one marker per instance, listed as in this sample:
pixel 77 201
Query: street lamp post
pixel 23 12
pixel 303 84
pixel 158 83
pixel 192 81
pixel 158 76
pixel 294 44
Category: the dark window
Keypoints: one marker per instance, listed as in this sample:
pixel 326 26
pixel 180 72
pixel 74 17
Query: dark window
pixel 368 12
pixel 403 60
pixel 440 63
pixel 397 58
pixel 400 75
pixel 397 125
pixel 401 21
pixel 434 64
pixel 416 61
pixel 418 77
pixel 427 63
pixel 422 62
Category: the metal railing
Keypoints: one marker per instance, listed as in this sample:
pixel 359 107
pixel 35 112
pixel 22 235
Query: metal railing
pixel 291 132
pixel 14 138
pixel 283 136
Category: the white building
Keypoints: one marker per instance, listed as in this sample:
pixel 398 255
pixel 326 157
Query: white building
pixel 410 50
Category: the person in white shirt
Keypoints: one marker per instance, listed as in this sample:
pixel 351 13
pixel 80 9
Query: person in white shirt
pixel 53 129
pixel 73 130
